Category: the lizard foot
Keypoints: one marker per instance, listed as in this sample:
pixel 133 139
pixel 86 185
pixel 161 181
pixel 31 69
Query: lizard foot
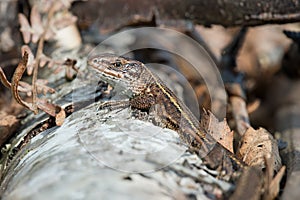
pixel 113 105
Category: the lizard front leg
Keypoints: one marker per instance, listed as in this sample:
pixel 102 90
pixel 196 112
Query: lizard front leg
pixel 114 104
pixel 143 103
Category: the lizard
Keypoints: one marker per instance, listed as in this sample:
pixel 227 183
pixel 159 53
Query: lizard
pixel 147 91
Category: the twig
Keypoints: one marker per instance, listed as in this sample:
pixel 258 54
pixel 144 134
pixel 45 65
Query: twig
pixel 16 79
pixel 38 56
pixel 240 114
pixel 234 82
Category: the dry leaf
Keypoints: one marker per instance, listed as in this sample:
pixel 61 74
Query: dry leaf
pixel 64 20
pixel 60 117
pixel 70 66
pixel 25 87
pixel 44 5
pixel 16 79
pixel 44 60
pixel 51 64
pixel 219 130
pixel 52 110
pixel 47 107
pixel 25 28
pixel 50 33
pixel 256 145
pixel 31 60
pixel 36 24
pixel 42 87
pixel 58 68
pixel 62 4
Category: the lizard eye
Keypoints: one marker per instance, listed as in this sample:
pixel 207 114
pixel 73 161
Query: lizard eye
pixel 118 63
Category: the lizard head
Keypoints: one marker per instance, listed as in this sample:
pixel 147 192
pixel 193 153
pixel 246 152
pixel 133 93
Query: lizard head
pixel 120 72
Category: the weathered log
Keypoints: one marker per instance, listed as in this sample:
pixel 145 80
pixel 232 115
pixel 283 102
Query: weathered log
pixel 100 154
pixel 112 14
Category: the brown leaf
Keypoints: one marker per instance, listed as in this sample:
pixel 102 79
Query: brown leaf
pixel 58 67
pixel 45 5
pixel 52 110
pixel 31 60
pixel 25 28
pixel 25 87
pixel 70 65
pixel 67 3
pixel 256 145
pixel 51 64
pixel 64 20
pixel 42 86
pixel 50 33
pixel 47 107
pixel 36 24
pixel 62 4
pixel 60 117
pixel 16 79
pixel 44 60
pixel 219 130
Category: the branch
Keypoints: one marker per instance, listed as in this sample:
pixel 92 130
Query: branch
pixel 117 13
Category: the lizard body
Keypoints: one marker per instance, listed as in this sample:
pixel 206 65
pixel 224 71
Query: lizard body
pixel 146 91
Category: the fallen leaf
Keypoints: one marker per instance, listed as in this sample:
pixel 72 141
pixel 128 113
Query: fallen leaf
pixel 42 87
pixel 25 87
pixel 36 24
pixel 16 79
pixel 218 129
pixel 60 117
pixel 256 145
pixel 64 20
pixel 47 107
pixel 30 62
pixel 25 28
pixel 44 60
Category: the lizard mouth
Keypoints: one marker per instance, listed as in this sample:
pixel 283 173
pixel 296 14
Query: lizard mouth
pixel 111 73
pixel 105 72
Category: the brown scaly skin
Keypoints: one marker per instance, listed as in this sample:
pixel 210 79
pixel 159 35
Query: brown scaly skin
pixel 145 90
